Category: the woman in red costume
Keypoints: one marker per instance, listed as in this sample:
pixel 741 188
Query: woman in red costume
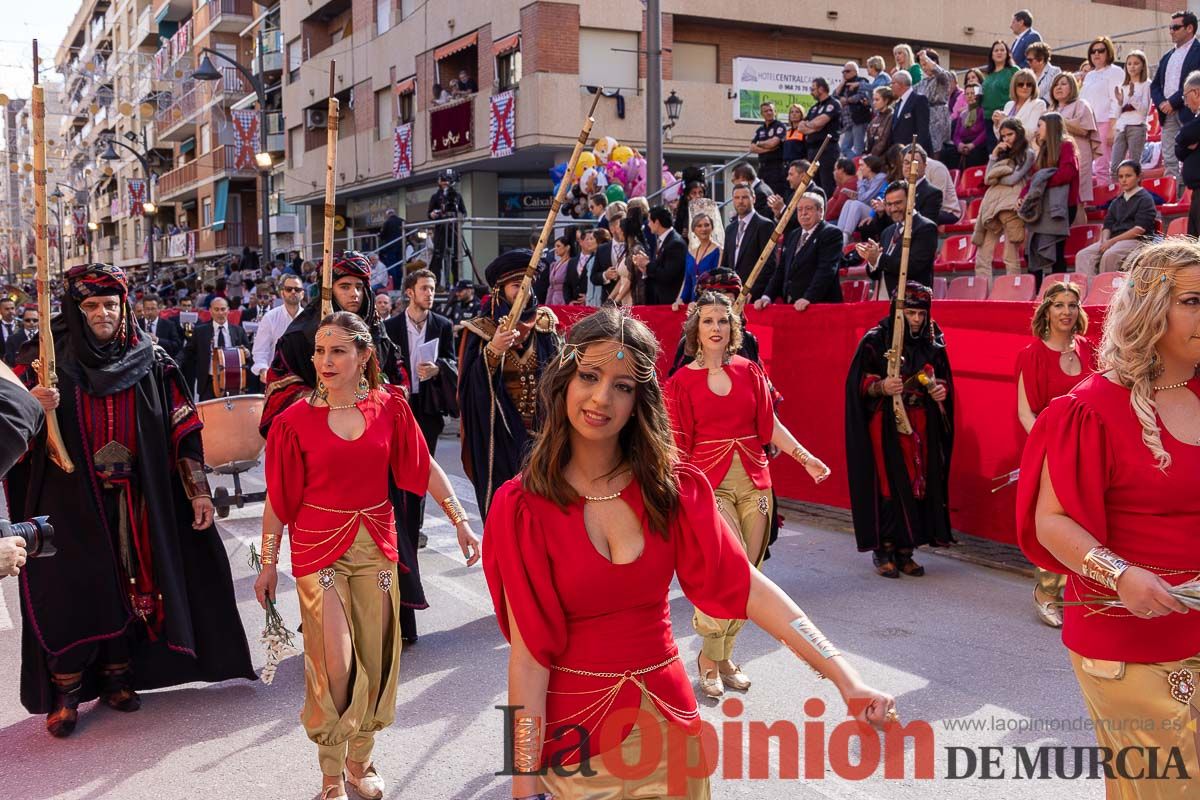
pixel 723 417
pixel 581 550
pixel 1107 494
pixel 1058 358
pixel 328 459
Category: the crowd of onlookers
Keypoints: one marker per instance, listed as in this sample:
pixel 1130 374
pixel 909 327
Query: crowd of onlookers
pixel 461 86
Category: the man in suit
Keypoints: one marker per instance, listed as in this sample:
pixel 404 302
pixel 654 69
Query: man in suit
pixel 165 333
pixel 910 113
pixel 745 237
pixel 929 198
pixel 257 304
pixel 217 334
pixel 409 330
pixel 391 253
pixel 807 272
pixel 1187 149
pixel 602 278
pixel 1022 28
pixel 664 273
pixel 26 331
pixel 8 320
pixel 883 257
pixel 1166 90
pixel 778 203
pixel 760 190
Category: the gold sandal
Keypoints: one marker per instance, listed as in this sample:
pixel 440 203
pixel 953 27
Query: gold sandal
pixel 710 687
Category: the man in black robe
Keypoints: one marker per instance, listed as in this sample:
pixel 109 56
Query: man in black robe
pixel 899 483
pixel 139 594
pixel 446 204
pixel 498 378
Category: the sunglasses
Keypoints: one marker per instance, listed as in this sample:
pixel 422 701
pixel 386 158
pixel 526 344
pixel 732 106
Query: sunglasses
pixel 1024 85
pixel 1095 50
pixel 291 289
pixel 1175 27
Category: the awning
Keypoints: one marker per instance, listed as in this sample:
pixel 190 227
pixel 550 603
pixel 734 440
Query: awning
pixel 470 40
pixel 507 44
pixel 405 87
pixel 221 204
pixel 187 145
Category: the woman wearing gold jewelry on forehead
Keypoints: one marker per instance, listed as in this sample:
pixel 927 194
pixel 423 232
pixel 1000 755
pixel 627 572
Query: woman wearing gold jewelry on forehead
pixel 581 550
pixel 723 415
pixel 329 457
pixel 1108 496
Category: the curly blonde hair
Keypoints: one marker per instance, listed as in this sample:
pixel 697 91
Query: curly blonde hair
pixel 691 328
pixel 1136 320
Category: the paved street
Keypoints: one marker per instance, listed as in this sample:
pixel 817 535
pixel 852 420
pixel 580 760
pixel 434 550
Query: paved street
pixel 959 645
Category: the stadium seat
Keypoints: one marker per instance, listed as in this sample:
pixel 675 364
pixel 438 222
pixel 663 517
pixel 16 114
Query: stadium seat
pixel 1104 286
pixel 1058 277
pixel 1164 187
pixel 1080 237
pixel 1174 209
pixel 1014 288
pixel 970 183
pixel 968 287
pixel 856 291
pixel 957 255
pixel 940 287
pixel 1101 196
pixel 1153 128
pixel 967 224
pixel 1177 227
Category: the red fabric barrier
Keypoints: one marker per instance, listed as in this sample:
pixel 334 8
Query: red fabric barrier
pixel 807 356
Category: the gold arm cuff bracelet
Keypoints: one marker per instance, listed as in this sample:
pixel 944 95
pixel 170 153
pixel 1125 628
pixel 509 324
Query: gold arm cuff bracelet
pixel 1104 566
pixel 454 510
pixel 195 482
pixel 527 744
pixel 801 455
pixel 812 634
pixel 268 552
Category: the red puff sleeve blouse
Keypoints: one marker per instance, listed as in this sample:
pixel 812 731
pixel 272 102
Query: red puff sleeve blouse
pixel 322 486
pixel 710 428
pixel 1108 482
pixel 1040 368
pixel 580 614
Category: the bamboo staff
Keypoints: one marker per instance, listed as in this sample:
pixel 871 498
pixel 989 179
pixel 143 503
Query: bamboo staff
pixel 530 271
pixel 780 226
pixel 331 137
pixel 895 356
pixel 46 367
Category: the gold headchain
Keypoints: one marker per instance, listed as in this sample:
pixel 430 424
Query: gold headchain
pixel 353 336
pixel 1145 278
pixel 641 367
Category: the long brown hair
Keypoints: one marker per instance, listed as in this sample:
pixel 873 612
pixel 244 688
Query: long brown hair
pixel 646 440
pixel 1041 317
pixel 1049 150
pixel 354 327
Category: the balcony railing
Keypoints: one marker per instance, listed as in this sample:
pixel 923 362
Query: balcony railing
pixel 211 12
pixel 211 165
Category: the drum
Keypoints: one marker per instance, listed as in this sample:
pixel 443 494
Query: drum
pixel 230 436
pixel 228 371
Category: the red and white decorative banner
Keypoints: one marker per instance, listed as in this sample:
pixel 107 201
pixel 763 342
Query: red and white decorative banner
pixel 79 217
pixel 136 189
pixel 402 151
pixel 245 137
pixel 502 132
pixel 191 247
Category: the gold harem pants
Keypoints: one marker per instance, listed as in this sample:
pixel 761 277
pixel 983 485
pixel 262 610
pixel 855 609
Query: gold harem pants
pixel 606 786
pixel 364 581
pixel 743 507
pixel 1142 706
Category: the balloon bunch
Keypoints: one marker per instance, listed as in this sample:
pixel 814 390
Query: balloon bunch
pixel 615 170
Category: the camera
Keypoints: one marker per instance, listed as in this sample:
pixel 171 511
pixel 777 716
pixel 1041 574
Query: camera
pixel 38 534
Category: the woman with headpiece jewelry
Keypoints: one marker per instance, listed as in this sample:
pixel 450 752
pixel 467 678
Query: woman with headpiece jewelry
pixel 1059 358
pixel 1107 494
pixel 581 551
pixel 344 544
pixel 723 415
pixel 498 378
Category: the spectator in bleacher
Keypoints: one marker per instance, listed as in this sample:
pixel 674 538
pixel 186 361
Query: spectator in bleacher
pixel 823 122
pixel 854 95
pixel 807 271
pixel 1166 90
pixel 877 73
pixel 744 173
pixel 1080 125
pixel 1051 198
pixel 1008 169
pixel 467 84
pixel 1022 28
pixel 1128 224
pixel 694 190
pixel 930 200
pixel 910 113
pixel 997 82
pixel 972 77
pixel 879 130
pixel 1023 104
pixel 559 284
pixel 597 204
pixel 1038 57
pixel 778 203
pixel 793 142
pixel 767 144
pixel 871 181
pixel 968 143
pixel 845 175
pixel 1187 149
pixel 745 236
pixel 936 85
pixel 1133 103
pixel 663 274
pixel 705 256
pixel 883 257
pixel 1101 78
pixel 906 62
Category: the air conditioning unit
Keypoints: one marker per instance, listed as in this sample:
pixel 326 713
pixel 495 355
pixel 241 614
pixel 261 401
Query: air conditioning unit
pixel 314 118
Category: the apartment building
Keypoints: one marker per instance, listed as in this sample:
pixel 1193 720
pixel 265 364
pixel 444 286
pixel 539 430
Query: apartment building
pixel 390 53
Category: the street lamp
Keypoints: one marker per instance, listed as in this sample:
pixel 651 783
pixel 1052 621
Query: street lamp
pixel 207 71
pixel 674 105
pixel 110 154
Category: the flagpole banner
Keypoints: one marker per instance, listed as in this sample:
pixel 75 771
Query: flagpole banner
pixel 245 138
pixel 136 187
pixel 502 131
pixel 402 151
pixel 758 80
pixel 79 217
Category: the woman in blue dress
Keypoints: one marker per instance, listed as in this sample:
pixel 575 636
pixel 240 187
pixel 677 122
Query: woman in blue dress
pixel 704 254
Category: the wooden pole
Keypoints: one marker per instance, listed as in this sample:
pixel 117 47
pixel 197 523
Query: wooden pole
pixel 46 367
pixel 531 270
pixel 331 138
pixel 895 356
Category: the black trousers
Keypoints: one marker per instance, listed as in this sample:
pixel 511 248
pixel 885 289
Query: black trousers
pixel 431 426
pixel 106 652
pixel 1193 227
pixel 824 177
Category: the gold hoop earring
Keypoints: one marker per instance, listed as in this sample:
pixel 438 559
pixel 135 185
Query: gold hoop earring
pixel 322 391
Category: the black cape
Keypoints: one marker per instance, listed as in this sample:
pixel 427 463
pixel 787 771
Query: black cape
pixel 75 596
pixel 924 521
pixel 21 416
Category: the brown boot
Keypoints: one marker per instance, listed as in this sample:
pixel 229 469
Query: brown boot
pixel 907 565
pixel 115 688
pixel 62 720
pixel 885 563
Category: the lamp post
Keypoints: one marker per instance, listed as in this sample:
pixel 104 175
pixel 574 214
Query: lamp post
pixel 262 159
pixel 57 195
pixel 654 129
pixel 148 207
